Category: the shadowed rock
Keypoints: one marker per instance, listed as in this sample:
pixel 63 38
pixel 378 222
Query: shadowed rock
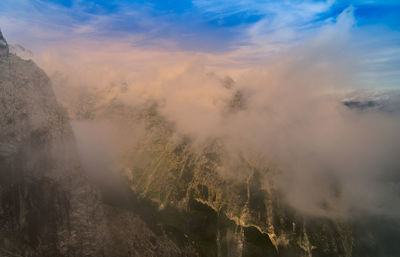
pixel 48 207
pixel 3 45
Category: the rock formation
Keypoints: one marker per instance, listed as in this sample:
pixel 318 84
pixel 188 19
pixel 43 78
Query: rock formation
pixel 3 45
pixel 47 205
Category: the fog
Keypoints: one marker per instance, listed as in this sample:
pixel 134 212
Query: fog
pixel 333 161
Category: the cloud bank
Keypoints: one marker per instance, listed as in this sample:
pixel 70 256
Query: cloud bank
pixel 334 161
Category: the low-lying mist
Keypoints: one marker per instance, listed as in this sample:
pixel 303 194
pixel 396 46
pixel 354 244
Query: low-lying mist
pixel 333 160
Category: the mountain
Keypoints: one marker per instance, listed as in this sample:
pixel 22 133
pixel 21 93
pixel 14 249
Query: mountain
pixel 181 184
pixel 48 207
pixel 167 195
pixel 223 216
pixel 3 46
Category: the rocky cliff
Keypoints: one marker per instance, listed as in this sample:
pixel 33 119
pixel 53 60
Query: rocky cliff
pixel 242 214
pixel 47 205
pixel 206 198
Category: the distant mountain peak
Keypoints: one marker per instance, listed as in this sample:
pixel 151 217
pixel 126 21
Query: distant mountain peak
pixel 3 45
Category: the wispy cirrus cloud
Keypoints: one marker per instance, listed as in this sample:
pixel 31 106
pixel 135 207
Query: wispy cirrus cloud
pixel 243 32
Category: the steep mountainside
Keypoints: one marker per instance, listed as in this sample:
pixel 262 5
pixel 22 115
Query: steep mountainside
pixel 47 205
pixel 200 204
pixel 239 215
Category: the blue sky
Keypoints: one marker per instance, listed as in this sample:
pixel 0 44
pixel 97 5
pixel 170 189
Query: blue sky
pixel 202 25
pixel 207 26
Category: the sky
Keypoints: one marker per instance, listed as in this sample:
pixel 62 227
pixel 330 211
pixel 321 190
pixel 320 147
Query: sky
pixel 252 29
pixel 197 25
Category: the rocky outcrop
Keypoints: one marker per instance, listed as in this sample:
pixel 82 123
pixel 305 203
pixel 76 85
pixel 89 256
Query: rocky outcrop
pixel 205 197
pixel 47 208
pixel 243 212
pixel 3 45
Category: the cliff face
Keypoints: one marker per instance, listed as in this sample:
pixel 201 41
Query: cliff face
pixel 203 197
pixel 47 205
pixel 240 214
pixel 47 208
pixel 3 46
pixel 206 198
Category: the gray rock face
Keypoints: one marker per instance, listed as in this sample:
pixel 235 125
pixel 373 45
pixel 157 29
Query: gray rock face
pixel 47 208
pixel 47 205
pixel 3 45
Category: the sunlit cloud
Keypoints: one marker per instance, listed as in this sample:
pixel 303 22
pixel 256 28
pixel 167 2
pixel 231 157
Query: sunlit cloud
pixel 284 57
